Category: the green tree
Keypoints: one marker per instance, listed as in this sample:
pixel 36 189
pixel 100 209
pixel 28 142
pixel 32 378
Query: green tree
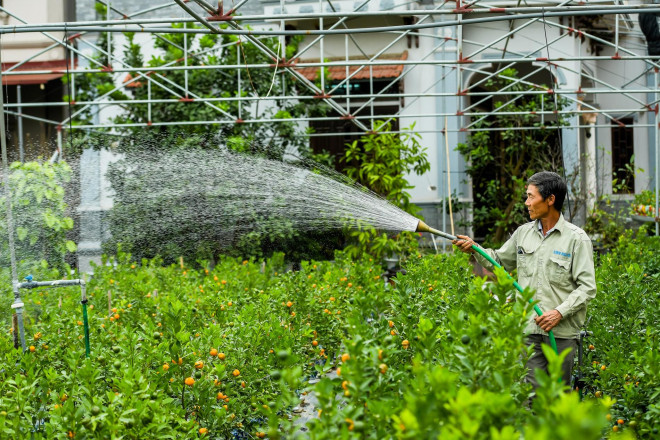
pixel 500 161
pixel 380 161
pixel 271 140
pixel 39 214
pixel 133 219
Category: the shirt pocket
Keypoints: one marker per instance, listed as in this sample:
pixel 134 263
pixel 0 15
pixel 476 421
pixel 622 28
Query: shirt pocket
pixel 525 264
pixel 560 271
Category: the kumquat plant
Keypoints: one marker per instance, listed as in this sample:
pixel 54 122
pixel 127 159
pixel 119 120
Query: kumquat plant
pixel 249 349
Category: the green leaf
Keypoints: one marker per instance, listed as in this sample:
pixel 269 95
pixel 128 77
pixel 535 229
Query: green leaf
pixel 21 233
pixel 71 246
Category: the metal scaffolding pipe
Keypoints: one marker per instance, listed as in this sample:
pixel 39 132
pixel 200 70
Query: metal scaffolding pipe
pixel 387 96
pixel 504 14
pixel 349 63
pixel 80 27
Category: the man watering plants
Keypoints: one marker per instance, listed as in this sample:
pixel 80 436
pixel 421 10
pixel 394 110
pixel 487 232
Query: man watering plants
pixel 555 258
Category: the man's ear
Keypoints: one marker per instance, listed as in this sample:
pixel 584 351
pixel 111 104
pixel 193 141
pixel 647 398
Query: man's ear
pixel 550 199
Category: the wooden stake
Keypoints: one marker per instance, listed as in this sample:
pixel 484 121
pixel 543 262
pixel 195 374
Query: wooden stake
pixel 451 214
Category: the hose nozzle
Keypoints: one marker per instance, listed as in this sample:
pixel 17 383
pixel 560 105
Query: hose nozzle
pixel 423 227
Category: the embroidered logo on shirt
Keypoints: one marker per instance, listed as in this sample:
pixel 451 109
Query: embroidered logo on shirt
pixel 563 254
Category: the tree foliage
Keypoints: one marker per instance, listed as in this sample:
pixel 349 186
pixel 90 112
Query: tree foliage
pixel 39 215
pixel 500 161
pixel 178 99
pixel 380 161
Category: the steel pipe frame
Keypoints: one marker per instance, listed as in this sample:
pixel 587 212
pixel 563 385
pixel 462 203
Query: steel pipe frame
pixel 371 100
pixel 472 130
pixel 549 61
pixel 563 12
pixel 592 108
pixel 508 60
pixel 141 75
pixel 392 96
pixel 374 58
pixel 502 90
pixel 644 106
pixel 145 77
pixel 267 51
pixel 366 118
pixel 426 13
pixel 521 59
pixel 510 13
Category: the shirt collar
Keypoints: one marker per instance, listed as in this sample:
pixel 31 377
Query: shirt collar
pixel 559 226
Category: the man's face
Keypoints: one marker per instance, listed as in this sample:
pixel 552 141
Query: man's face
pixel 536 206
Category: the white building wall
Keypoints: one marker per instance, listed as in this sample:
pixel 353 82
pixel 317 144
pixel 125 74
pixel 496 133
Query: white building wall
pixel 422 79
pixel 17 47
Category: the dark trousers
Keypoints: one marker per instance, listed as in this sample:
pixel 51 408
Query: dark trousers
pixel 538 360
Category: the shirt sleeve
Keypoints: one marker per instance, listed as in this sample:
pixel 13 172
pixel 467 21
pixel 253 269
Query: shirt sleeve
pixel 505 256
pixel 584 275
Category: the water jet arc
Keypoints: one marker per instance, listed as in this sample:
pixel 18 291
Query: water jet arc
pixel 423 227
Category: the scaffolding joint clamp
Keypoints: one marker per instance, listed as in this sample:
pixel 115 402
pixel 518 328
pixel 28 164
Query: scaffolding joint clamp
pixel 283 63
pixel 221 17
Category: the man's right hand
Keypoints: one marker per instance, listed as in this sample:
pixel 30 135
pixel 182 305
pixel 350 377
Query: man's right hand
pixel 464 244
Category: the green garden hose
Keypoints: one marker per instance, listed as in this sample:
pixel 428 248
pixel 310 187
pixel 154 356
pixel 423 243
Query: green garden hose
pixel 423 227
pixel 518 287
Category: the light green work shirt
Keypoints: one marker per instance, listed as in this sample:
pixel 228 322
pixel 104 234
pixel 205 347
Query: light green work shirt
pixel 559 267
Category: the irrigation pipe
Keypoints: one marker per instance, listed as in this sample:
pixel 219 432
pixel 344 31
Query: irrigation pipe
pixel 423 227
pixel 64 283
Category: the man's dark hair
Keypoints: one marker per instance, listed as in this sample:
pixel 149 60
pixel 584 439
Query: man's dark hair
pixel 549 183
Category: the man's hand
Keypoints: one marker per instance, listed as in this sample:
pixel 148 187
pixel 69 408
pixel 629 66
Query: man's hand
pixel 548 320
pixel 464 243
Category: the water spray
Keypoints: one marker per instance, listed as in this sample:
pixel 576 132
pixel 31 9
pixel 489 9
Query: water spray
pixel 423 227
pixel 17 305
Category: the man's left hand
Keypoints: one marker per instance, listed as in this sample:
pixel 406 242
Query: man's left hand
pixel 548 320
